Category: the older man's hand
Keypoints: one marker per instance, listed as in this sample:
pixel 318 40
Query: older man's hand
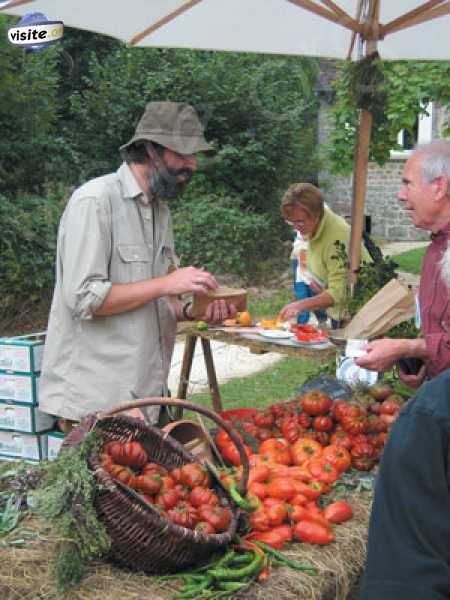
pixel 414 381
pixel 381 355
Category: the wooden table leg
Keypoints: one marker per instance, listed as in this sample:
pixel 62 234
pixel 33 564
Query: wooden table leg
pixel 188 356
pixel 212 379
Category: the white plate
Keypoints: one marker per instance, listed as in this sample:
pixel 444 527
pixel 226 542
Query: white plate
pixel 275 334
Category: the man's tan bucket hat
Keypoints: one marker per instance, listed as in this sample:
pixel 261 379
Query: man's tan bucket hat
pixel 174 125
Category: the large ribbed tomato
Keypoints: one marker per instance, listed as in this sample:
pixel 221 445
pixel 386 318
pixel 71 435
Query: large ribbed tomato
pixel 150 483
pixel 193 474
pixel 130 454
pixel 184 514
pixel 277 450
pixel 338 456
pixel 316 402
pixel 219 517
pixel 122 474
pixel 354 424
pixel 304 450
pixel 323 471
pixel 341 438
pixel 322 423
pixel 264 419
pixel 168 498
pixel 201 495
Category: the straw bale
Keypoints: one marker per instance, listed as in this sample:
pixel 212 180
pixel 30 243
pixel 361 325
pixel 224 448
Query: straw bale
pixel 26 569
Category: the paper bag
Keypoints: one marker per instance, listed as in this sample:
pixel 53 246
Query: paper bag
pixel 391 305
pixel 238 297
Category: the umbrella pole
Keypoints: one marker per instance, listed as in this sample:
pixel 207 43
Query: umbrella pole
pixel 361 161
pixel 359 193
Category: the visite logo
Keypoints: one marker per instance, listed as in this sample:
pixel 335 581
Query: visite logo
pixel 34 32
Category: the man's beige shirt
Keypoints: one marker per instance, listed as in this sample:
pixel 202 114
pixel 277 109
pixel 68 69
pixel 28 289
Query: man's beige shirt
pixel 93 363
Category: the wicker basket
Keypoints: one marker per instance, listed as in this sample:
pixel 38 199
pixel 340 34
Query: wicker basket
pixel 141 538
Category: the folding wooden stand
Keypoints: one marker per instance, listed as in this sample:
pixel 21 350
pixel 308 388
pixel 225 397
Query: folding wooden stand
pixel 256 347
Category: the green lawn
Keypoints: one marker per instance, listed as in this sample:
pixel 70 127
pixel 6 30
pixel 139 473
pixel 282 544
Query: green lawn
pixel 279 383
pixel 410 261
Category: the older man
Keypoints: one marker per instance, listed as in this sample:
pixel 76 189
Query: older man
pixel 116 301
pixel 409 535
pixel 426 195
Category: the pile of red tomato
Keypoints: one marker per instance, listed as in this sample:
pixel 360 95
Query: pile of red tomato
pixel 304 447
pixel 182 495
pixel 315 429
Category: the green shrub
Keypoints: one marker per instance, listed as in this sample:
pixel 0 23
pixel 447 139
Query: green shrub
pixel 213 231
pixel 28 245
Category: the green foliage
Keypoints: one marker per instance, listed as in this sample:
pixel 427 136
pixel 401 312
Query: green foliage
pixel 214 232
pixel 28 244
pixel 65 499
pixel 406 86
pixel 258 110
pixel 28 114
pixel 371 277
pixel 270 306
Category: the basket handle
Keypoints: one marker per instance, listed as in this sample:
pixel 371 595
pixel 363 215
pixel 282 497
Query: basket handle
pixel 141 403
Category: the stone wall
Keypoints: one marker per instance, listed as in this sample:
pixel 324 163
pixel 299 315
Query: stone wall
pixel 389 221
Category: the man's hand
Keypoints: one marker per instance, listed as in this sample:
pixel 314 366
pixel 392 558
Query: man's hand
pixel 218 311
pixel 189 279
pixel 413 381
pixel 381 355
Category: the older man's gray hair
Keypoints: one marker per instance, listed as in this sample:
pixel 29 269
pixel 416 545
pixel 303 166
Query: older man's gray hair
pixel 436 160
pixel 445 267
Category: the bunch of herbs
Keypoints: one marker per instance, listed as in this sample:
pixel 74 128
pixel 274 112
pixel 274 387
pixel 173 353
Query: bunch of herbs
pixel 65 499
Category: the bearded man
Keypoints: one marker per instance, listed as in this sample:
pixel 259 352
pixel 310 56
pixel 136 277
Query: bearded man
pixel 116 301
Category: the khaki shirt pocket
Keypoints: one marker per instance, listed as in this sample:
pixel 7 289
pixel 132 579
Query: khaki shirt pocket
pixel 135 261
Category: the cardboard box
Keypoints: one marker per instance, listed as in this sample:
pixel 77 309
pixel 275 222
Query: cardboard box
pixel 25 418
pixel 238 297
pixel 22 353
pixel 26 446
pixel 19 387
pixel 54 443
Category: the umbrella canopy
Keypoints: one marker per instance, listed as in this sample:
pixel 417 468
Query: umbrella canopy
pixel 400 29
pixel 302 27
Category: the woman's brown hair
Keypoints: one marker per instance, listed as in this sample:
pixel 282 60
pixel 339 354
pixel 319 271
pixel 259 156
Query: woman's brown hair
pixel 305 196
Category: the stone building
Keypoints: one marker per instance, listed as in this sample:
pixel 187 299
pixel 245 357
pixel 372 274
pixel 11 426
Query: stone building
pixel 385 217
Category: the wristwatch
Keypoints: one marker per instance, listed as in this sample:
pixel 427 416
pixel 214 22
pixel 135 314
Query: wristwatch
pixel 184 312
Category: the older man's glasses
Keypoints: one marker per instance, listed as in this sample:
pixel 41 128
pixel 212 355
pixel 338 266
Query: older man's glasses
pixel 299 223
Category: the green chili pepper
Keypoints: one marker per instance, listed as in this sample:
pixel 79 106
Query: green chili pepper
pixel 228 574
pixel 242 559
pixel 231 586
pixel 195 589
pixel 241 502
pixel 225 560
pixel 286 561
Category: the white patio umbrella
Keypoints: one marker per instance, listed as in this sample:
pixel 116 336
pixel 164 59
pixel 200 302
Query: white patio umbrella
pixel 399 29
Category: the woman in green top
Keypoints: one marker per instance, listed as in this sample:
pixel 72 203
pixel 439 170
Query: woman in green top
pixel 303 207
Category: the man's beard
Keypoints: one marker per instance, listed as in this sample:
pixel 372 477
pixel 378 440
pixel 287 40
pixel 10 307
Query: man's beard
pixel 164 182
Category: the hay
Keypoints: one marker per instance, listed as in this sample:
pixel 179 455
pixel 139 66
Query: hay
pixel 26 570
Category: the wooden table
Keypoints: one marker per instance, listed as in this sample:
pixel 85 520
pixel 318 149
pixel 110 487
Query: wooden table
pixel 256 346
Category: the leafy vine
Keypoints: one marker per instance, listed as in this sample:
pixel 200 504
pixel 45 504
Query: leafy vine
pixel 406 87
